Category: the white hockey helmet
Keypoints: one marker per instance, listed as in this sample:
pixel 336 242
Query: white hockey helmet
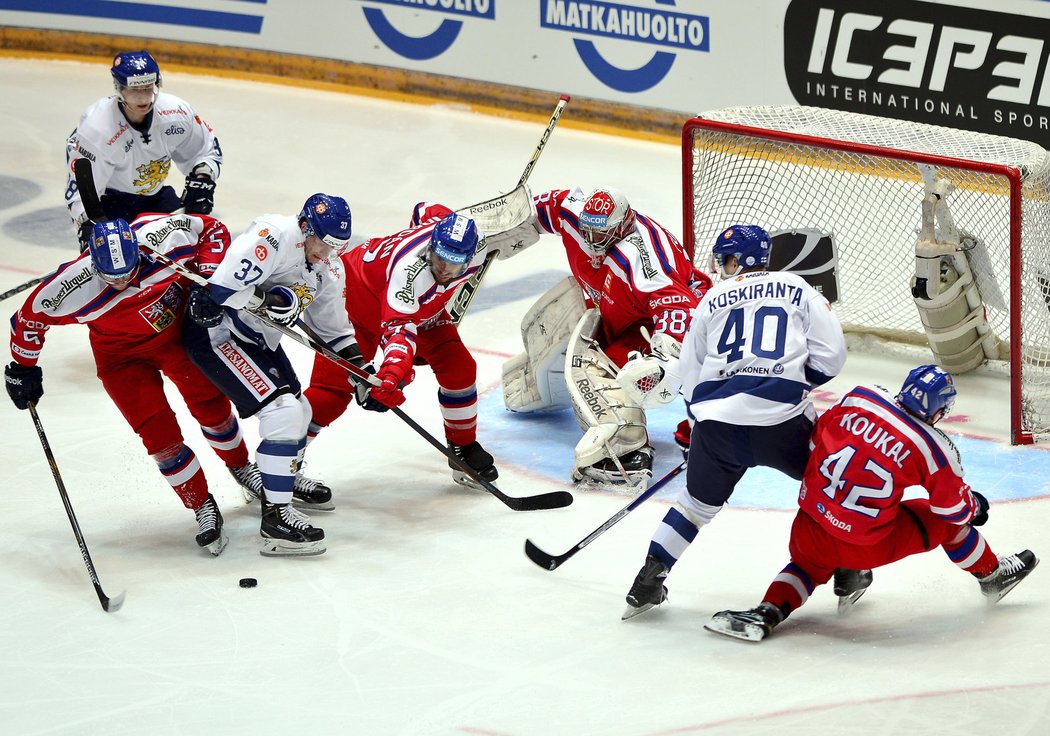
pixel 606 219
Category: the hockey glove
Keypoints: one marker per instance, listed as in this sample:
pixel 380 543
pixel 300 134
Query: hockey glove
pixel 280 304
pixel 682 436
pixel 204 310
pixel 199 196
pixel 363 393
pixel 25 384
pixel 982 510
pixel 84 232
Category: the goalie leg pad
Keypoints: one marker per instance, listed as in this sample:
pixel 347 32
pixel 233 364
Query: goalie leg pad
pixel 535 380
pixel 613 426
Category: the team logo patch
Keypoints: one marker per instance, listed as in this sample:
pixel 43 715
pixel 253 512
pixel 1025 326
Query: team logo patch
pixel 261 252
pixel 320 208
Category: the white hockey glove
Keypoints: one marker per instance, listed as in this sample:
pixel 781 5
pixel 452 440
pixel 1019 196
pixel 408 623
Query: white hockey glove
pixel 653 380
pixel 280 304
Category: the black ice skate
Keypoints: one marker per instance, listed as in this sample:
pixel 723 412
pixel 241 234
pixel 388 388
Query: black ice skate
pixel 648 589
pixel 209 523
pixel 480 461
pixel 1011 571
pixel 753 625
pixel 287 532
pixel 311 495
pixel 850 585
pixel 249 479
pixel 637 470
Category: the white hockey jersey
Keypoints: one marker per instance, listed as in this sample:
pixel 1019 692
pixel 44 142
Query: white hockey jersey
pixel 125 159
pixel 271 253
pixel 757 344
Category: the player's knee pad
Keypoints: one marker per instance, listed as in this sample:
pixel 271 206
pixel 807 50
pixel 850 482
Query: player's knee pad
pixel 698 512
pixel 535 379
pixel 613 425
pixel 285 419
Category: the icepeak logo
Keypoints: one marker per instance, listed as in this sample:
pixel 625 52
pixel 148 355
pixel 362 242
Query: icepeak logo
pixel 421 48
pixel 652 26
pixel 971 68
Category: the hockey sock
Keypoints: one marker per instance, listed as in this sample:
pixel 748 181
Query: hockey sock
pixel 277 462
pixel 312 431
pixel 969 551
pixel 674 534
pixel 791 588
pixel 459 409
pixel 228 442
pixel 179 466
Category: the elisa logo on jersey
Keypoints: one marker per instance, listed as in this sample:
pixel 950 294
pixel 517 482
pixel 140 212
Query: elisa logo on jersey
pixel 966 68
pixel 430 45
pixel 638 24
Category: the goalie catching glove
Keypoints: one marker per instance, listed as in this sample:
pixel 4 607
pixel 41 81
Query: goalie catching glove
pixel 653 380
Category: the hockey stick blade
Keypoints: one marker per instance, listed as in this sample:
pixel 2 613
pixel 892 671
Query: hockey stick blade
pixel 550 562
pixel 85 180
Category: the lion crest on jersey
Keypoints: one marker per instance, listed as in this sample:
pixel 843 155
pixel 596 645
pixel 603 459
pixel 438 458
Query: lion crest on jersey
pixel 152 175
pixel 305 294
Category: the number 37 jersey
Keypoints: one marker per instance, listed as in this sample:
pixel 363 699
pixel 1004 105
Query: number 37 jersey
pixel 757 344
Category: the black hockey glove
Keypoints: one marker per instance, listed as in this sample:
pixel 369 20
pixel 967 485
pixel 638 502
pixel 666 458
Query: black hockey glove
pixel 204 310
pixel 363 392
pixel 87 229
pixel 982 510
pixel 25 384
pixel 199 195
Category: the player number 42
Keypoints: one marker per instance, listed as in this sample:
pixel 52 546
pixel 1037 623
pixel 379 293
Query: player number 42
pixel 834 468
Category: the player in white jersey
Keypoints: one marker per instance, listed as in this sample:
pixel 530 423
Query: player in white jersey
pixel 131 139
pixel 281 268
pixel 758 342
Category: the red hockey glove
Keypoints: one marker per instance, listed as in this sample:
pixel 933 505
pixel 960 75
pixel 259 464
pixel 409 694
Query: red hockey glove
pixel 389 393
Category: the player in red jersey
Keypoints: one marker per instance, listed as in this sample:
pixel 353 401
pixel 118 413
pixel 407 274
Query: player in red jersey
pixel 397 288
pixel 868 449
pixel 620 319
pixel 133 308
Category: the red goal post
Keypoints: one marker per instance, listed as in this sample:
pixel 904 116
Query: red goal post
pixel 854 182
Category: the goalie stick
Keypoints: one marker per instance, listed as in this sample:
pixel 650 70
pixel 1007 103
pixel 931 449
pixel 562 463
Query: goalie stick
pixel 459 305
pixel 108 604
pixel 550 562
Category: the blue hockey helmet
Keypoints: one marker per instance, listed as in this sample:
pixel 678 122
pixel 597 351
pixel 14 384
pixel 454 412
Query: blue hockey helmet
pixel 452 244
pixel 114 250
pixel 327 217
pixel 927 390
pixel 749 244
pixel 134 69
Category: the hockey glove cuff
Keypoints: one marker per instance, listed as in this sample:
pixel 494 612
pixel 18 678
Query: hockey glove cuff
pixel 25 384
pixel 199 196
pixel 204 310
pixel 982 510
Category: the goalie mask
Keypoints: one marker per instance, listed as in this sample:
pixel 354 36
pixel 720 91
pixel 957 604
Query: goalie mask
pixel 114 252
pixel 928 390
pixel 452 244
pixel 327 217
pixel 749 244
pixel 606 219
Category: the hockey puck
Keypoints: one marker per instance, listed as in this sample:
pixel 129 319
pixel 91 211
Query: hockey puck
pixel 248 582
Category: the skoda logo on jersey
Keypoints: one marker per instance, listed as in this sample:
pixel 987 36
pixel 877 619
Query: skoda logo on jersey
pixel 420 48
pixel 648 25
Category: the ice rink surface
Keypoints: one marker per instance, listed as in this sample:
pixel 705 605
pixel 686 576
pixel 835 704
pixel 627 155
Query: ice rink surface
pixel 425 617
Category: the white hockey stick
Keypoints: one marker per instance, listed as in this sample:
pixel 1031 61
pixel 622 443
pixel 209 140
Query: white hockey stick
pixel 459 305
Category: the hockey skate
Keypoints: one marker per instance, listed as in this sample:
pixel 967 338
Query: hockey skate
pixel 1011 571
pixel 249 479
pixel 311 495
pixel 648 589
pixel 753 625
pixel 286 532
pixel 209 522
pixel 850 585
pixel 480 461
pixel 633 470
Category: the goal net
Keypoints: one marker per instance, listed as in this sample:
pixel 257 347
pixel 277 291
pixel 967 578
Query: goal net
pixel 848 190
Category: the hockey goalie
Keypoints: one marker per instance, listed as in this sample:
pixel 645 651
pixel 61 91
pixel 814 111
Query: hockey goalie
pixel 606 340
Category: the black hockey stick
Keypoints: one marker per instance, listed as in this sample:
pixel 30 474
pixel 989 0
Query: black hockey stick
pixel 461 302
pixel 22 287
pixel 550 562
pixel 108 604
pixel 552 500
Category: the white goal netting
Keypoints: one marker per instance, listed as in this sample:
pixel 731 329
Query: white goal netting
pixel 857 178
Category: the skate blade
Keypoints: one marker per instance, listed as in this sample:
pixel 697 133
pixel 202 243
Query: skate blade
pixel 249 495
pixel 307 506
pixel 846 602
pixel 467 482
pixel 991 601
pixel 216 547
pixel 630 612
pixel 736 629
pixel 280 548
